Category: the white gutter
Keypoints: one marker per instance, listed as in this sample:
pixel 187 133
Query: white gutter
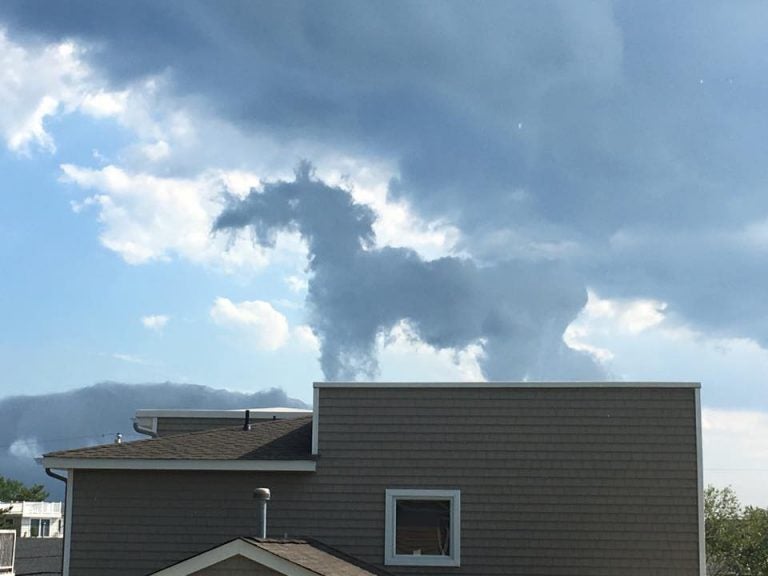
pixel 169 464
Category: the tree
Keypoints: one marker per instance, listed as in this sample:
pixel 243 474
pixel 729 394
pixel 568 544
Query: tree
pixel 15 491
pixel 736 537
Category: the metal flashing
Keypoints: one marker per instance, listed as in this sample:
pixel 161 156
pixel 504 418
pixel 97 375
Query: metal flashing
pixel 563 384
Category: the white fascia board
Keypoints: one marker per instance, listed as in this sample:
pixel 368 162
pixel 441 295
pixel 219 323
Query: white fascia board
pixel 391 497
pixel 156 464
pixel 315 420
pixel 257 413
pixel 565 384
pixel 68 511
pixel 229 550
pixel 700 487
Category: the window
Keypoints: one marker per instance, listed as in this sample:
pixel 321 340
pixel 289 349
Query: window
pixel 39 528
pixel 422 527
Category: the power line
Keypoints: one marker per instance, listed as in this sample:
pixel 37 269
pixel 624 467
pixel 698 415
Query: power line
pixel 30 441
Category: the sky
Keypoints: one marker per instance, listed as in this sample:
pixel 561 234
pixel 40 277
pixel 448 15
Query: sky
pixel 259 195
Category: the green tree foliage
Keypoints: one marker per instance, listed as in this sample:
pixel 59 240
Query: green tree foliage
pixel 15 491
pixel 737 537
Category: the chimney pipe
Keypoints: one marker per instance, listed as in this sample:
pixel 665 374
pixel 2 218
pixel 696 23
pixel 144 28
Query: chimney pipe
pixel 247 424
pixel 262 495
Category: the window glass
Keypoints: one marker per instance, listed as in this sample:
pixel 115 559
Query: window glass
pixel 34 527
pixel 423 527
pixel 45 528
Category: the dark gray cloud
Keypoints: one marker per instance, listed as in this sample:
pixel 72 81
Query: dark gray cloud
pixel 573 124
pixel 518 308
pixel 33 425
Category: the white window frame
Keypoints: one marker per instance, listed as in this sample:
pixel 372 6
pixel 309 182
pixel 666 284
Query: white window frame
pixel 393 559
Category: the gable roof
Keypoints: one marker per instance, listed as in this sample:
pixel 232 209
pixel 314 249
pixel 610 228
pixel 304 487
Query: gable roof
pixel 291 557
pixel 273 444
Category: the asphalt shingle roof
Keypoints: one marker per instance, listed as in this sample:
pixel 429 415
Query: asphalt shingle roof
pixel 317 557
pixel 309 554
pixel 271 440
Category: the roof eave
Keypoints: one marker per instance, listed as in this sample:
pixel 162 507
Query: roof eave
pixel 575 384
pixel 64 463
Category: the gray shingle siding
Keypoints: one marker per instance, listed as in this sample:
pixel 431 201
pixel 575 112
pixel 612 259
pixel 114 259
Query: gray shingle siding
pixel 592 481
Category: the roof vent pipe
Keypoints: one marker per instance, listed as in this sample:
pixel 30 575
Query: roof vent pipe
pixel 247 423
pixel 262 495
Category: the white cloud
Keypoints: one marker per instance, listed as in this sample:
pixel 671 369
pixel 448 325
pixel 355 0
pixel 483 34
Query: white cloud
pixel 602 316
pixel 155 322
pixel 129 358
pixel 25 448
pixel 267 328
pixel 396 225
pixel 33 83
pixel 297 284
pixel 146 218
pixel 403 356
pixel 104 104
pixel 40 81
pixel 32 129
pixel 736 452
pixel 305 337
pixel 576 337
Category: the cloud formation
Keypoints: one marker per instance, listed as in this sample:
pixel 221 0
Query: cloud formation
pixel 626 139
pixel 267 327
pixel 155 322
pixel 148 217
pixel 518 309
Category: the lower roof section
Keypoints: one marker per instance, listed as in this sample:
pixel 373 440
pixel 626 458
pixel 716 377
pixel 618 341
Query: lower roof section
pixel 272 445
pixel 288 557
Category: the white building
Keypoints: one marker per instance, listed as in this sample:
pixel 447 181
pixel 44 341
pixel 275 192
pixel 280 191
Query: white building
pixel 33 519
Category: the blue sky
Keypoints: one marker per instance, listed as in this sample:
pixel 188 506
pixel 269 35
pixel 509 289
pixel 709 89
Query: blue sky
pixel 566 191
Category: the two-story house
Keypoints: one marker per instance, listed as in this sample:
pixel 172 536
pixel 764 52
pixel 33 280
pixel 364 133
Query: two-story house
pixel 475 479
pixel 32 519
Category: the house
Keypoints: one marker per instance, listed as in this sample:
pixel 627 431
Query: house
pixel 472 479
pixel 33 519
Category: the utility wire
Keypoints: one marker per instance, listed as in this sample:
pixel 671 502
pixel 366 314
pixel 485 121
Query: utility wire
pixel 66 439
